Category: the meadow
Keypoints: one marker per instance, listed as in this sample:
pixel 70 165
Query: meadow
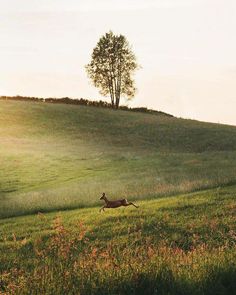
pixel 56 160
pixel 174 245
pixel 63 156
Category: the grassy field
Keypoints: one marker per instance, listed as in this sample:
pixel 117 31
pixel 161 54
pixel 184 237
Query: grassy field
pixel 175 245
pixel 56 160
pixel 63 156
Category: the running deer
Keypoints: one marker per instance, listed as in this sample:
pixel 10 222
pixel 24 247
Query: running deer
pixel 114 204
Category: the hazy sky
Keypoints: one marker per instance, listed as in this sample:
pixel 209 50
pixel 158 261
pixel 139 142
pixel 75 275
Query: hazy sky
pixel 187 50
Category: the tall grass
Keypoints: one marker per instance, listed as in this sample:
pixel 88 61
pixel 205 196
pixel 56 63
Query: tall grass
pixel 176 245
pixel 68 264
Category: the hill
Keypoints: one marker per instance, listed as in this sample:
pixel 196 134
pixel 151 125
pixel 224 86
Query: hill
pixel 59 156
pixel 180 241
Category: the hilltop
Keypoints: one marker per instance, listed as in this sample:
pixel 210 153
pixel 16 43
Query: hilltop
pixel 82 101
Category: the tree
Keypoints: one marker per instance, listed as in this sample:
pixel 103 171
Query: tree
pixel 112 66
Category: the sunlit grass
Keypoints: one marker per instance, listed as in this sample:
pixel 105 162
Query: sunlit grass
pixel 175 245
pixel 62 156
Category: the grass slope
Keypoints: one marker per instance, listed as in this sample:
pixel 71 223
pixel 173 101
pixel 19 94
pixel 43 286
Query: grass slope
pixel 63 156
pixel 174 245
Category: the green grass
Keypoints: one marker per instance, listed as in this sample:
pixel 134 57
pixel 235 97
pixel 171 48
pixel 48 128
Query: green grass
pixel 174 245
pixel 63 156
pixel 182 173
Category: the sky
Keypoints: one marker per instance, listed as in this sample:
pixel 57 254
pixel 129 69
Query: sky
pixel 186 49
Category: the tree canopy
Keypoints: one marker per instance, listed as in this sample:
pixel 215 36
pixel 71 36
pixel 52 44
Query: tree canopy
pixel 112 66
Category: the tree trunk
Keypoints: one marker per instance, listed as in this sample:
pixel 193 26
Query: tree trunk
pixel 111 90
pixel 118 86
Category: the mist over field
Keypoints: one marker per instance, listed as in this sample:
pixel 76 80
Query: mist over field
pixel 64 156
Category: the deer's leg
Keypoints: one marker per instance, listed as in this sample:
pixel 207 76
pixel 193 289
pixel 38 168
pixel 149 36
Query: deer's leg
pixel 126 203
pixel 102 208
pixel 130 203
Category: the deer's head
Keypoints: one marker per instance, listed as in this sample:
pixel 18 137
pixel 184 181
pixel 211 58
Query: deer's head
pixel 103 196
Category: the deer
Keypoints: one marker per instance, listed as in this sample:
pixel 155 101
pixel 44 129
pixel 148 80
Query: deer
pixel 115 204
